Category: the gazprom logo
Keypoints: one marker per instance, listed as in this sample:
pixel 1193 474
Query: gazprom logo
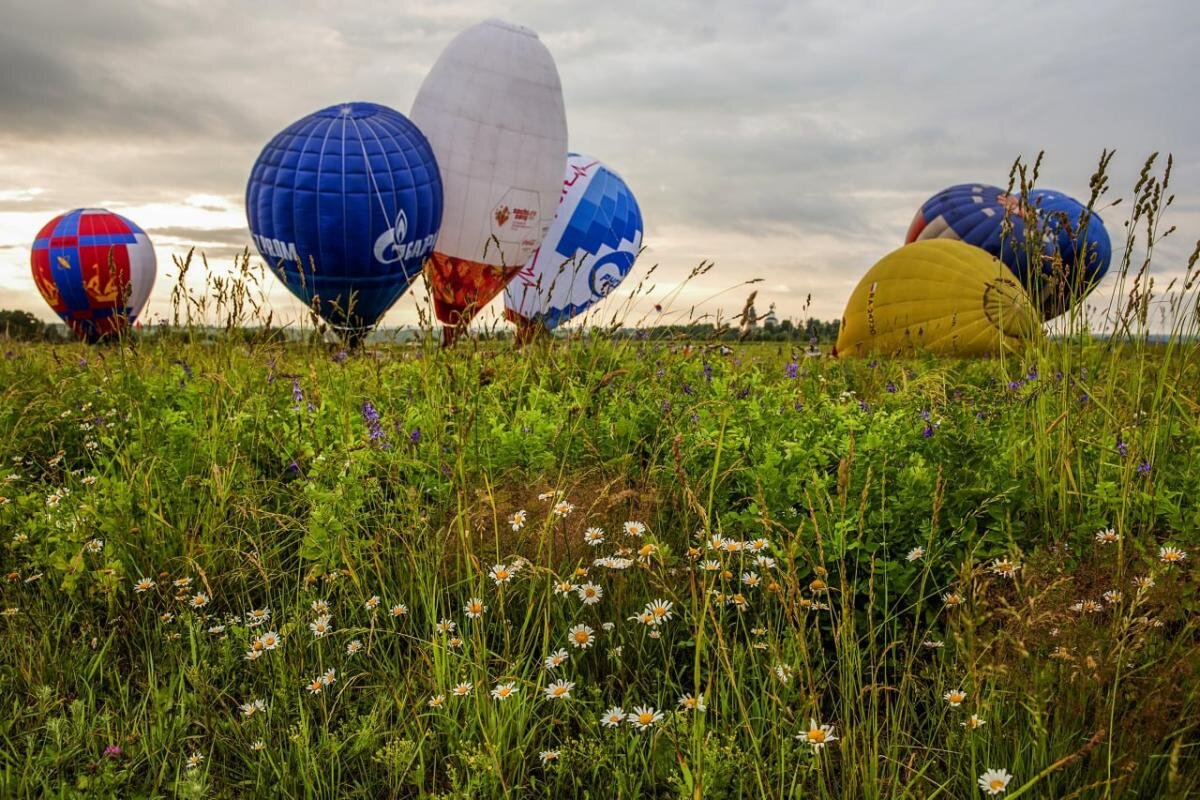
pixel 391 246
pixel 275 249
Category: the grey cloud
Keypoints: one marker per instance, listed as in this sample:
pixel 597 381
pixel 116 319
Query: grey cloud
pixel 234 237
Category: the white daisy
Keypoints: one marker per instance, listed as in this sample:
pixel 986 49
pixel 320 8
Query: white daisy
pixel 555 659
pixel 644 717
pixel 581 636
pixel 612 717
pixel 590 594
pixel 503 691
pixel 817 735
pixel 995 781
pixel 559 690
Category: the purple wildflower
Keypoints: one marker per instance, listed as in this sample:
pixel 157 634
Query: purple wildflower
pixel 371 418
pixel 708 372
pixel 415 436
pixel 891 387
pixel 862 404
pixel 1122 447
pixel 793 369
pixel 1143 468
pixel 925 414
pixel 340 356
pixel 928 432
pixel 297 394
pixel 112 751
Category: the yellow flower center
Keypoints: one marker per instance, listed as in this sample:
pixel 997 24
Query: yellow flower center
pixel 816 736
pixel 645 718
pixel 582 636
pixel 996 784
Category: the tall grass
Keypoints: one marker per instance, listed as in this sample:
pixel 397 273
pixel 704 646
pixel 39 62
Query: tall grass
pixel 928 526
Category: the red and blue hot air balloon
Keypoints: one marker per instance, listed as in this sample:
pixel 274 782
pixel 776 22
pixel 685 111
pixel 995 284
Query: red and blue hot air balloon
pixel 95 269
pixel 345 205
pixel 1073 260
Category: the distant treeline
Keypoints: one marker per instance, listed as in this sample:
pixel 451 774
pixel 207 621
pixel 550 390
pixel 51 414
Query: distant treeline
pixel 785 331
pixel 24 326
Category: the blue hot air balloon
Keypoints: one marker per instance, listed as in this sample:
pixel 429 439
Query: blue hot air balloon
pixel 1072 261
pixel 1075 258
pixel 345 205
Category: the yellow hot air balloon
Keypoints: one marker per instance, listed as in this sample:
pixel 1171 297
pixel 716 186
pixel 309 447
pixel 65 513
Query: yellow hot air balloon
pixel 938 295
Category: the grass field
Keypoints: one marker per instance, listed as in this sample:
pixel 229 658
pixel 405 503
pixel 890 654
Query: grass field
pixel 598 569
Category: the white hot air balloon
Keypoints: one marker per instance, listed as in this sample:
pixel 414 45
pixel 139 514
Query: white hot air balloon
pixel 492 110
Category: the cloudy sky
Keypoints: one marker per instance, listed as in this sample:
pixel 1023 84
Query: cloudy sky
pixel 789 141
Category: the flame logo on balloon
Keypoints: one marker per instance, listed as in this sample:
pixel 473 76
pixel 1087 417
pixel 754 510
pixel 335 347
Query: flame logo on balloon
pixel 389 247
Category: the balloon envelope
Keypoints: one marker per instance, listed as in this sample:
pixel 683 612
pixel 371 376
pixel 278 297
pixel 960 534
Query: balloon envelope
pixel 1075 257
pixel 1072 260
pixel 589 249
pixel 939 295
pixel 492 108
pixel 345 205
pixel 95 269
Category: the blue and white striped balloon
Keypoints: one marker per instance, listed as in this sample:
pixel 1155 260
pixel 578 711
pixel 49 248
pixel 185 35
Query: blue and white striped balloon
pixel 588 251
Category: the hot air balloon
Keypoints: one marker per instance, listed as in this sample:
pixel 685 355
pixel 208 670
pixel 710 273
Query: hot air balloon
pixel 345 206
pixel 95 269
pixel 1074 257
pixel 492 108
pixel 589 249
pixel 1072 261
pixel 942 296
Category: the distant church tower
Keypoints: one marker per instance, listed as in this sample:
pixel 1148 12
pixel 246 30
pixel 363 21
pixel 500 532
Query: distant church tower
pixel 770 321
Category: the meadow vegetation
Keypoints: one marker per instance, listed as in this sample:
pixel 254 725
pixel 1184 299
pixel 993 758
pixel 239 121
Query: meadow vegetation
pixel 598 568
